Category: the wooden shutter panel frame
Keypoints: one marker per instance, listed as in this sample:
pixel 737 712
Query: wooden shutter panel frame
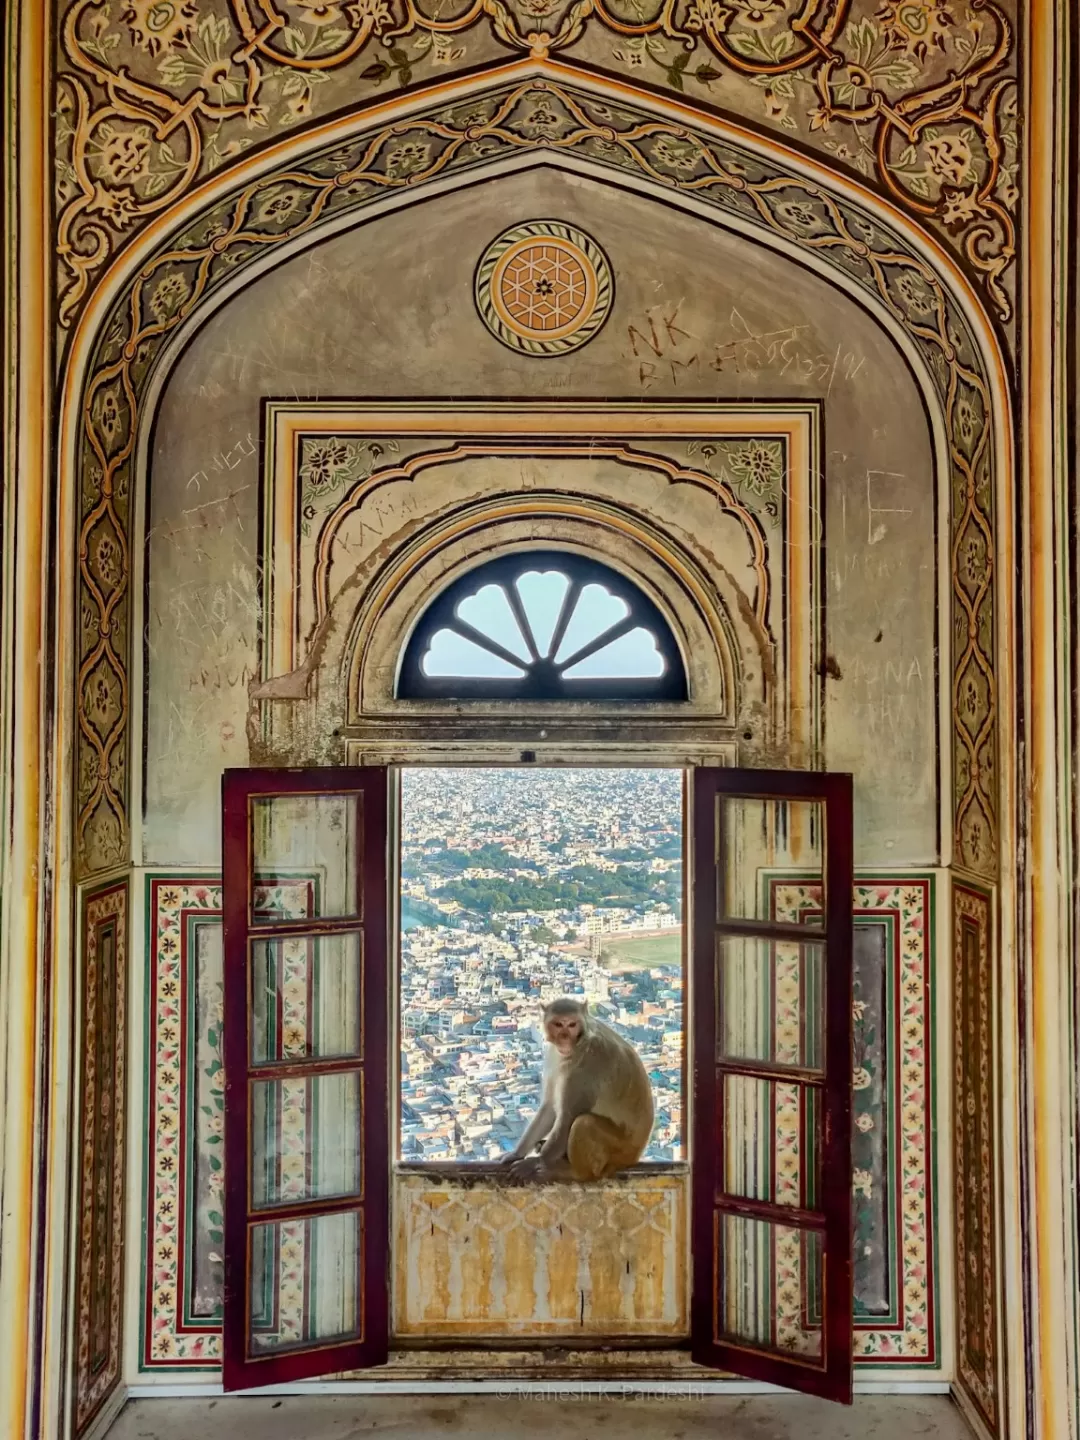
pixel 832 1378
pixel 307 1361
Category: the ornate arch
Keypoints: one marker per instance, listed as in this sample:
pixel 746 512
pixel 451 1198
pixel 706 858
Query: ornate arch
pixel 723 654
pixel 533 111
pixel 918 98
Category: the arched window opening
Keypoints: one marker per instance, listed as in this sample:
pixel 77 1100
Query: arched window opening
pixel 542 625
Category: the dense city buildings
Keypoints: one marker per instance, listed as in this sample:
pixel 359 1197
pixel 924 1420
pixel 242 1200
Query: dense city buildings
pixel 518 886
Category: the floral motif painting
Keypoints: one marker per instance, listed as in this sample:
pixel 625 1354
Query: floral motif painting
pixel 102 1153
pixel 915 97
pixel 893 1201
pixel 184 1168
pixel 978 1348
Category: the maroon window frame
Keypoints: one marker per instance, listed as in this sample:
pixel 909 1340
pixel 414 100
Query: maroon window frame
pixel 829 1376
pixel 370 1345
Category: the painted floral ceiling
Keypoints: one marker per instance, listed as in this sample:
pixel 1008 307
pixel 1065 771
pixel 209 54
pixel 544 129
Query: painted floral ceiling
pixel 916 97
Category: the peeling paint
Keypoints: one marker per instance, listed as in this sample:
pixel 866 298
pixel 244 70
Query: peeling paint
pixel 477 1258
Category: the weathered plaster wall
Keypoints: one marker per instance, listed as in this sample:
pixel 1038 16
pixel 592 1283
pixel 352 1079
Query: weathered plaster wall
pixel 387 311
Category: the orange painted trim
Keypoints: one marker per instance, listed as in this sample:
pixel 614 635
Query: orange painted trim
pixel 21 1012
pixel 1043 405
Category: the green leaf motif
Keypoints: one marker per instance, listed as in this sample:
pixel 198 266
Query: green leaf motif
pixel 172 70
pixel 215 31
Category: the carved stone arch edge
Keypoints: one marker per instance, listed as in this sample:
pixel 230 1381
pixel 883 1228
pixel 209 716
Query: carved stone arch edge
pixel 866 242
pixel 853 220
pixel 753 651
pixel 727 650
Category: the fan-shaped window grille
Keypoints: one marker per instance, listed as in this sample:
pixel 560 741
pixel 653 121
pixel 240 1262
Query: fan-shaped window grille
pixel 544 625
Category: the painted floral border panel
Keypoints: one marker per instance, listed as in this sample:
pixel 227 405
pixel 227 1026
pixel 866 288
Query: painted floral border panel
pixel 183 1175
pixel 973 1153
pixel 903 1055
pixel 99 1286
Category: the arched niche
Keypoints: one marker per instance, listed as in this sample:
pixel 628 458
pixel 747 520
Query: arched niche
pixel 726 654
pixel 784 336
pixel 868 248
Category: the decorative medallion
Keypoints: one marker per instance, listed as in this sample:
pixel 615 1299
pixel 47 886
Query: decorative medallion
pixel 544 288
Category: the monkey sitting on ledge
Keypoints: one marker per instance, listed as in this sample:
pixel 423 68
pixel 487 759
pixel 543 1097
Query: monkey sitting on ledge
pixel 596 1108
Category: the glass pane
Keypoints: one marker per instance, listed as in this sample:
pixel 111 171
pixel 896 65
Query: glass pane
pixel 762 844
pixel 312 840
pixel 632 654
pixel 542 593
pixel 771 1001
pixel 489 612
pixel 306 998
pixel 451 654
pixel 596 612
pixel 769 1286
pixel 770 1140
pixel 305 1139
pixel 306 1282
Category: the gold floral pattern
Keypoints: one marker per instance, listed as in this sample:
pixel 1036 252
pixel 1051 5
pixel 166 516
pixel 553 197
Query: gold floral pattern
pixel 916 96
pixel 916 26
pixel 100 1264
pixel 973 1152
pixel 158 25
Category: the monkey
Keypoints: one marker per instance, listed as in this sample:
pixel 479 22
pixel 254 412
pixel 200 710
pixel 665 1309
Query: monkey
pixel 596 1105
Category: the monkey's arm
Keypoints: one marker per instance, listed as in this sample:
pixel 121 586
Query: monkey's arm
pixel 536 1129
pixel 542 1121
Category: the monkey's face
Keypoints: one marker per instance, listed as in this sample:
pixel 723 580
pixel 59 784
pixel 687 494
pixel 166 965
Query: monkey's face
pixel 564 1032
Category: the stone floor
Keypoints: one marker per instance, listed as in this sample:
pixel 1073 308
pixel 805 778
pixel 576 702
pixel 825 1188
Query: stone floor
pixel 493 1417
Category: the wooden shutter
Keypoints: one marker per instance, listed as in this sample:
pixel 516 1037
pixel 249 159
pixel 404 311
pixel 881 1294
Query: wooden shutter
pixel 772 1067
pixel 307 1236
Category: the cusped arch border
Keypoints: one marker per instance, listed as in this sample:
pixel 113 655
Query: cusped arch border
pixel 714 599
pixel 297 192
pixel 751 524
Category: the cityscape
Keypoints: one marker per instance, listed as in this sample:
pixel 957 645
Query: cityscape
pixel 519 886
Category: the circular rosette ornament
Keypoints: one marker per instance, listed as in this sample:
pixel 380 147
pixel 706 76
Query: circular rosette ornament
pixel 544 288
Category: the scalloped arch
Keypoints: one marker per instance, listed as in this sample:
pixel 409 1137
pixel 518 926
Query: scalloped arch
pixel 290 196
